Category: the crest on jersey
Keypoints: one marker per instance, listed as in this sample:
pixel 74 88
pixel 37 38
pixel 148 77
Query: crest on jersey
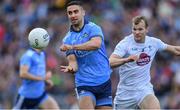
pixel 85 35
pixel 143 59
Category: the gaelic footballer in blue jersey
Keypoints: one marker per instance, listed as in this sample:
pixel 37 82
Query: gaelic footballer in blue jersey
pixel 32 94
pixel 85 50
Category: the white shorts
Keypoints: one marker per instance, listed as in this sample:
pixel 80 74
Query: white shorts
pixel 131 99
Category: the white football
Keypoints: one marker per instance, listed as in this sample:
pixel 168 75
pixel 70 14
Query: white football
pixel 38 38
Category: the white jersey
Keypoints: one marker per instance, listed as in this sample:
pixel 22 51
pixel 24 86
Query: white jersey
pixel 135 75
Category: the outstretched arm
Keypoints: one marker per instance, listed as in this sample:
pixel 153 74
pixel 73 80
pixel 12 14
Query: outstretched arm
pixel 92 44
pixel 173 49
pixel 26 75
pixel 116 60
pixel 72 66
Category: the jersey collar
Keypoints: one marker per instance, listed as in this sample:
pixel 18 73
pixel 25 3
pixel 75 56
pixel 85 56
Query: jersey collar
pixel 85 22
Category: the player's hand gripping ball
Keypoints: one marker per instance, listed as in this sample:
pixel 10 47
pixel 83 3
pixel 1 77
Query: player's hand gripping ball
pixel 38 38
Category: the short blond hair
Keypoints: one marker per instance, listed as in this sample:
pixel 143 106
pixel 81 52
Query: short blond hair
pixel 137 19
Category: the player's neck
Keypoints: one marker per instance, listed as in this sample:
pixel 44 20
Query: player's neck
pixel 142 40
pixel 79 26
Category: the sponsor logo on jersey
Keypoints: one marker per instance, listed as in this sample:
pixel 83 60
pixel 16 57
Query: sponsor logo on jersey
pixel 143 59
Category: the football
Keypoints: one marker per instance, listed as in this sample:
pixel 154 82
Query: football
pixel 38 38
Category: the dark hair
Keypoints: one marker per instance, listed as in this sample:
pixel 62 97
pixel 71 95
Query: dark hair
pixel 137 19
pixel 73 2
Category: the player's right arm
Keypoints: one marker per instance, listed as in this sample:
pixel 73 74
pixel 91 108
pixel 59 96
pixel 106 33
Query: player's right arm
pixel 116 60
pixel 26 75
pixel 93 44
pixel 72 66
pixel 95 37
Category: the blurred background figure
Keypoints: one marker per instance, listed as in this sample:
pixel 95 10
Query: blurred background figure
pixel 35 78
pixel 17 17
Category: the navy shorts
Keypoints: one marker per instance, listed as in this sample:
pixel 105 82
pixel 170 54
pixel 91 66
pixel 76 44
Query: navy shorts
pixel 101 94
pixel 29 103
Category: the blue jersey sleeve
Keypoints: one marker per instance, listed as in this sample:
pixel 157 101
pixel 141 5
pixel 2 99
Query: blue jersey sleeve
pixel 95 32
pixel 67 40
pixel 25 60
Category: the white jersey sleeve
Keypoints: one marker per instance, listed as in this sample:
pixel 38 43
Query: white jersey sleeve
pixel 121 48
pixel 160 44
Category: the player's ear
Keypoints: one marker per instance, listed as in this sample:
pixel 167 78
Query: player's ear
pixel 83 12
pixel 147 29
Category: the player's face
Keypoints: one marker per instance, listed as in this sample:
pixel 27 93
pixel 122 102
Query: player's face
pixel 75 14
pixel 139 31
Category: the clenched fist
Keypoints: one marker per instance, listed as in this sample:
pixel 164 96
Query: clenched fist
pixel 65 47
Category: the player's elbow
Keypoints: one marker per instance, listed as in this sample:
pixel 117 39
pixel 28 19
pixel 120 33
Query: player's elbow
pixel 97 44
pixel 111 63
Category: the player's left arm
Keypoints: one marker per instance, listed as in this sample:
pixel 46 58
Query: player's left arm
pixel 173 49
pixel 93 44
pixel 72 66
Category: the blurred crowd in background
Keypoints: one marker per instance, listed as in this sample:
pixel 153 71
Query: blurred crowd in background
pixel 18 17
